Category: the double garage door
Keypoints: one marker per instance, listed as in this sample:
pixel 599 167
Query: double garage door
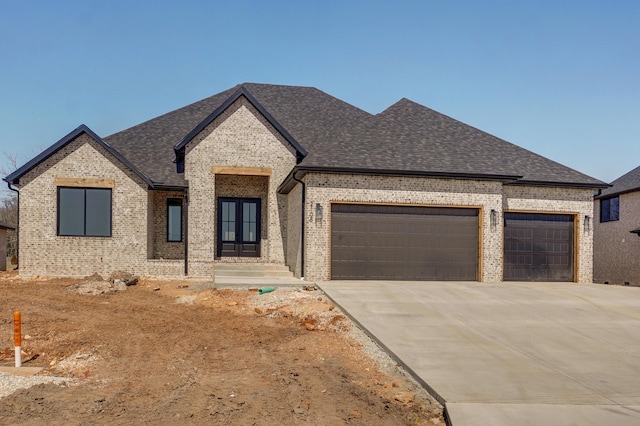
pixel 403 243
pixel 380 242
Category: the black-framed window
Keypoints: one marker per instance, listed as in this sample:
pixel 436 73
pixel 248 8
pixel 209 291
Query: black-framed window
pixel 174 220
pixel 84 212
pixel 610 209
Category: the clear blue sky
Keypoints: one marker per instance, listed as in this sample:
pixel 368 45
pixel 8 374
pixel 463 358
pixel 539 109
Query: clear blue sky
pixel 561 78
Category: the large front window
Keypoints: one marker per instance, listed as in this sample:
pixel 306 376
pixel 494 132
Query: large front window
pixel 84 212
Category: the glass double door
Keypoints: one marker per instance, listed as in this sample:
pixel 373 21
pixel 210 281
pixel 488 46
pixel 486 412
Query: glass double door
pixel 238 227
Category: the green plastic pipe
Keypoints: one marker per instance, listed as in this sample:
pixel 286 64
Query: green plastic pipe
pixel 265 290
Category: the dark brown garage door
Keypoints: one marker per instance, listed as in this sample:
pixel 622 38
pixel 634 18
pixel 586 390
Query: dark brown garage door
pixel 403 243
pixel 538 247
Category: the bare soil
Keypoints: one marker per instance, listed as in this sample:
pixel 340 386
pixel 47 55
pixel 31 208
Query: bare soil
pixel 167 352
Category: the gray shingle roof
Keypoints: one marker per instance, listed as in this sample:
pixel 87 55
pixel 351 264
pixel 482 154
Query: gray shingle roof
pixel 149 145
pixel 308 114
pixel 410 137
pixel 625 183
pixel 405 138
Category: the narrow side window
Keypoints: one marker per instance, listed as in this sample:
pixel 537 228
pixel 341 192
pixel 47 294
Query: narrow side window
pixel 174 220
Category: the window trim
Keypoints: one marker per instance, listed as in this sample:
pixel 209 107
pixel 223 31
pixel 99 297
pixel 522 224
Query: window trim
pixel 174 202
pixel 84 214
pixel 607 202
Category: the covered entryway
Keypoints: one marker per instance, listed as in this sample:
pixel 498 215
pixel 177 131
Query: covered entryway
pixel 538 247
pixel 239 227
pixel 404 242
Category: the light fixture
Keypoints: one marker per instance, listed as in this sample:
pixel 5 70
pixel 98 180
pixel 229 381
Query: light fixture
pixel 493 219
pixel 587 224
pixel 318 213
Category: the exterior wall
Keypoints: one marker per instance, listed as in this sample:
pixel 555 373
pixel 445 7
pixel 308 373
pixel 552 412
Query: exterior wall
pixel 294 231
pixel 238 137
pixel 324 189
pixel 560 200
pixel 616 250
pixel 327 188
pixel 163 249
pixel 43 252
pixel 3 249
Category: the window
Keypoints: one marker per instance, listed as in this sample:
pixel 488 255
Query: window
pixel 84 212
pixel 174 220
pixel 610 209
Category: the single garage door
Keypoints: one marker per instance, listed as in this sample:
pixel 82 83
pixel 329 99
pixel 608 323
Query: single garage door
pixel 403 243
pixel 538 247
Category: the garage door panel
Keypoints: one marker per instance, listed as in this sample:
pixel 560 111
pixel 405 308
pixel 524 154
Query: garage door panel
pixel 538 247
pixel 403 243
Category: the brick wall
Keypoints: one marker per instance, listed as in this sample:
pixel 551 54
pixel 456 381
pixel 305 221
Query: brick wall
pixel 560 200
pixel 616 250
pixel 486 195
pixel 43 252
pixel 327 188
pixel 163 249
pixel 238 137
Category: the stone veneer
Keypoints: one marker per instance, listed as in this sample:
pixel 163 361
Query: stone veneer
pixel 240 137
pixel 43 252
pixel 324 189
pixel 616 249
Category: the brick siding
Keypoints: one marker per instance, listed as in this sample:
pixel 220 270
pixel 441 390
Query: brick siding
pixel 324 189
pixel 43 252
pixel 239 137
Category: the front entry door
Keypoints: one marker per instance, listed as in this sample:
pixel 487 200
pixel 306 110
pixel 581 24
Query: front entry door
pixel 239 227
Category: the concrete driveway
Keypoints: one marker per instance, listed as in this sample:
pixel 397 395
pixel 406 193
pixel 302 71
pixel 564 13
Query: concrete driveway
pixel 511 353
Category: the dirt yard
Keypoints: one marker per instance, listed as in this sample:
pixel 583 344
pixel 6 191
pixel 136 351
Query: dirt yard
pixel 169 352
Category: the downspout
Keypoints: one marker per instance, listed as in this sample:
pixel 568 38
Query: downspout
pixel 304 196
pixel 17 226
pixel 186 232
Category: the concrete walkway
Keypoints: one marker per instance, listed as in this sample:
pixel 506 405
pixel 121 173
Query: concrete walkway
pixel 512 353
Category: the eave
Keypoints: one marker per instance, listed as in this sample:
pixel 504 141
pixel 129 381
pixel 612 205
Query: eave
pixel 289 183
pixel 14 178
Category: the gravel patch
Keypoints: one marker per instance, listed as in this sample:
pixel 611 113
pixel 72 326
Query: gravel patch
pixel 10 383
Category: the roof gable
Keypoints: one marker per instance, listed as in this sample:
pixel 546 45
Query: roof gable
pixel 14 177
pixel 242 91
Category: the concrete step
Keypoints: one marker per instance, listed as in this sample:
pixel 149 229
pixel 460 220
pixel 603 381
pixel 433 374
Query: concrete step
pixel 250 267
pixel 251 270
pixel 248 282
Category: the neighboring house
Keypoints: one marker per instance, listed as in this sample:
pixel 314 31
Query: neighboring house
pixel 616 236
pixel 291 175
pixel 4 227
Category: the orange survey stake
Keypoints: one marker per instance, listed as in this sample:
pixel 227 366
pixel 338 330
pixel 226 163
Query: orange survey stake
pixel 17 332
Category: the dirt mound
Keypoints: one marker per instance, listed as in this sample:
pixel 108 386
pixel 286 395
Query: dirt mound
pixel 161 353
